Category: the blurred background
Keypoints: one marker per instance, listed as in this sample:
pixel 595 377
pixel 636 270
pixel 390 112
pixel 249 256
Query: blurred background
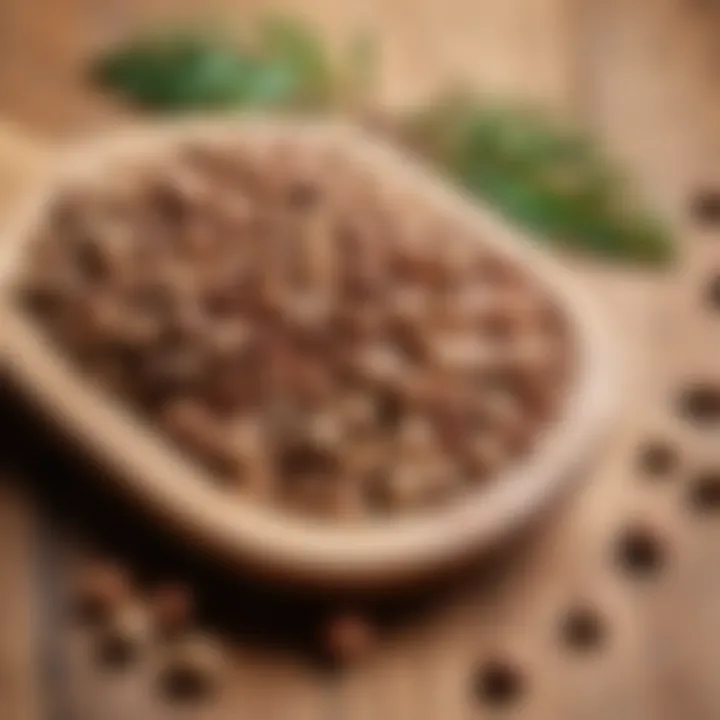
pixel 610 610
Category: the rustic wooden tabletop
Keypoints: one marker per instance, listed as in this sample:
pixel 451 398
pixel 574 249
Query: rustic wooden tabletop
pixel 635 553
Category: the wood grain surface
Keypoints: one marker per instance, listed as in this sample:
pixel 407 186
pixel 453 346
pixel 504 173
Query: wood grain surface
pixel 642 75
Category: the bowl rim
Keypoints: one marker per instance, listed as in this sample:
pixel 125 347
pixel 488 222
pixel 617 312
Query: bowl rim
pixel 255 537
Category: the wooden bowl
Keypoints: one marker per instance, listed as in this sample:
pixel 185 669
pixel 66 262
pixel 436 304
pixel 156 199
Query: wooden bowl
pixel 382 554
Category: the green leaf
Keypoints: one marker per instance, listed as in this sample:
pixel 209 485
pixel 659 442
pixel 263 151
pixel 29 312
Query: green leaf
pixel 551 181
pixel 184 71
pixel 179 72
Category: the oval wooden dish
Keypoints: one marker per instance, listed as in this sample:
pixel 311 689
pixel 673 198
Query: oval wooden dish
pixel 381 554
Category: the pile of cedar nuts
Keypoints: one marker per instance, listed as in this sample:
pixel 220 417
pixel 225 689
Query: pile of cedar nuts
pixel 312 339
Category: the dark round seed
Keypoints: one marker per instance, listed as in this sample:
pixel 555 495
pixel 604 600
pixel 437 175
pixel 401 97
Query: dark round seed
pixel 185 683
pixel 124 636
pixel 640 552
pixel 704 492
pixel 168 200
pixel 700 403
pixel 657 458
pixel 389 408
pixel 173 607
pixel 101 588
pixel 705 205
pixel 92 260
pixel 499 684
pixel 192 669
pixel 582 629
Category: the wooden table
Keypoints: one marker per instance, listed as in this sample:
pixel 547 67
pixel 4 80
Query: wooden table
pixel 642 75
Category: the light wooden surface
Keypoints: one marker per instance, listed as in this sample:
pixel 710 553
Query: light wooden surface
pixel 642 75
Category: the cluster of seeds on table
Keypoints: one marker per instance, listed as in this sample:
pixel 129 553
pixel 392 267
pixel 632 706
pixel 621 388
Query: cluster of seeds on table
pixel 311 337
pixel 161 622
pixel 132 622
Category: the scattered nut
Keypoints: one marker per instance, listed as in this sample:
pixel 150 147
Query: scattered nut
pixel 173 608
pixel 101 588
pixel 192 667
pixel 501 410
pixel 357 412
pixel 192 426
pixel 486 454
pixel 381 364
pixel 125 634
pixel 417 438
pixel 461 353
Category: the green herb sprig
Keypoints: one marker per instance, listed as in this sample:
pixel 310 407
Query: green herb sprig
pixel 552 181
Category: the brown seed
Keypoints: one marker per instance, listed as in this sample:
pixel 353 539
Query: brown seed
pixel 469 306
pixel 101 588
pixel 102 249
pixel 192 667
pixel 485 456
pixel 367 455
pixel 416 438
pixel 538 393
pixel 171 370
pixel 501 410
pixel 464 352
pixel 455 259
pixel 248 438
pixel 219 164
pixel 381 364
pixel 495 270
pixel 410 303
pixel 324 431
pixel 177 191
pixel 309 382
pixel 235 210
pixel 357 412
pixel 45 291
pixel 420 388
pixel 531 354
pixel 135 329
pixel 408 327
pixel 320 253
pixel 230 338
pixel 443 477
pixel 173 608
pixel 421 484
pixel 349 503
pixel 308 312
pixel 316 495
pixel 191 426
pixel 358 324
pixel 411 264
pixel 313 450
pixel 348 638
pixel 363 256
pixel 229 385
pixel 125 634
pixel 406 486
